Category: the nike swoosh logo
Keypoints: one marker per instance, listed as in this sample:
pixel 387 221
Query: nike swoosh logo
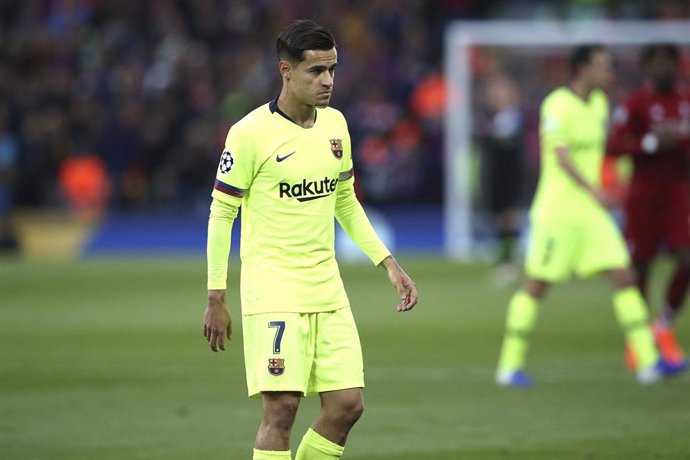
pixel 279 158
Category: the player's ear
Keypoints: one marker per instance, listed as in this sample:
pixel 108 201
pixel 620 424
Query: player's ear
pixel 284 67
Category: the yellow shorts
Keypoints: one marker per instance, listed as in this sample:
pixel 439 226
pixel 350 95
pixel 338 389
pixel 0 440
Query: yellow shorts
pixel 303 352
pixel 559 249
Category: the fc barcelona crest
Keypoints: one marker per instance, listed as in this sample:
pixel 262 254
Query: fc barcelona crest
pixel 337 148
pixel 276 366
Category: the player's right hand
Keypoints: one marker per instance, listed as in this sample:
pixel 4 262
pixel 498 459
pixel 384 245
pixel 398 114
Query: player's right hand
pixel 217 322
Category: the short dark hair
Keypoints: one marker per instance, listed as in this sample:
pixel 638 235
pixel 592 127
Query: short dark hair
pixel 582 55
pixel 668 49
pixel 300 36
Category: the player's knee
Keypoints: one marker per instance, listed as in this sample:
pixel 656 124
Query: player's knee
pixel 351 410
pixel 623 278
pixel 535 288
pixel 356 410
pixel 346 411
pixel 281 414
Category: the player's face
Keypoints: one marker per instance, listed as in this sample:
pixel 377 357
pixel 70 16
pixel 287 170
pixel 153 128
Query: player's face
pixel 600 69
pixel 311 80
pixel 662 70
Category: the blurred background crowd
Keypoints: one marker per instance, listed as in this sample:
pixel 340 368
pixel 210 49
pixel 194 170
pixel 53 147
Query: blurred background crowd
pixel 127 103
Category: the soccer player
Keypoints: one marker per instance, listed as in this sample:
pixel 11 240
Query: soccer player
pixel 502 171
pixel 288 164
pixel 653 127
pixel 572 230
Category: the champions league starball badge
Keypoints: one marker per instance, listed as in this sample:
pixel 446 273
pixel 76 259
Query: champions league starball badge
pixel 226 162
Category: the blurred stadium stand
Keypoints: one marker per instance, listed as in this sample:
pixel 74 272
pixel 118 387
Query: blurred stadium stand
pixel 113 112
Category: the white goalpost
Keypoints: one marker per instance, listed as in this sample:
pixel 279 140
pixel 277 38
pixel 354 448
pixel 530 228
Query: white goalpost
pixel 460 38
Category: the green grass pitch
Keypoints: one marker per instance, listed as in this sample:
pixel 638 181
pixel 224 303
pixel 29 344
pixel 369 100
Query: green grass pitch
pixel 105 359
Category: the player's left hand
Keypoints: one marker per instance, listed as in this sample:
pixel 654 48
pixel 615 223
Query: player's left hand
pixel 403 283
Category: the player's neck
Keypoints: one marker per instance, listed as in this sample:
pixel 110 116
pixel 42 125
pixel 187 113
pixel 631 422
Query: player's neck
pixel 302 115
pixel 581 89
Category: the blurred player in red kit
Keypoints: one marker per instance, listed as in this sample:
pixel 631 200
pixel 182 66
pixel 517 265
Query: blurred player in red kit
pixel 653 127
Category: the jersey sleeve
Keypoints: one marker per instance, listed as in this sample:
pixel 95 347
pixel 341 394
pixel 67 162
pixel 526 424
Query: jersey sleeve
pixel 218 241
pixel 353 219
pixel 351 215
pixel 552 126
pixel 236 170
pixel 346 170
pixel 237 167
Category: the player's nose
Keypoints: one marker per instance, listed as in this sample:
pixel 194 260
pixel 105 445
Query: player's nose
pixel 327 80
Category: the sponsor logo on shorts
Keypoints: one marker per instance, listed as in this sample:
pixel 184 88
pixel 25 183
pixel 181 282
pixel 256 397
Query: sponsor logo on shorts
pixel 276 366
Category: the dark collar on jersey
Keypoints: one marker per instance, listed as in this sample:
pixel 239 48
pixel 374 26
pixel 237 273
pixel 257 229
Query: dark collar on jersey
pixel 273 106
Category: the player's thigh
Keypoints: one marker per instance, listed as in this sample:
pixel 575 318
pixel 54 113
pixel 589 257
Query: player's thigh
pixel 603 247
pixel 338 362
pixel 677 221
pixel 278 352
pixel 644 225
pixel 551 250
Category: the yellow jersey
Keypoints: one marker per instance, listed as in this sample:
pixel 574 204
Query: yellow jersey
pixel 291 183
pixel 580 126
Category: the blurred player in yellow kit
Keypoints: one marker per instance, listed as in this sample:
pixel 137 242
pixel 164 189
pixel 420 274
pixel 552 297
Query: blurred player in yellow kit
pixel 288 164
pixel 572 230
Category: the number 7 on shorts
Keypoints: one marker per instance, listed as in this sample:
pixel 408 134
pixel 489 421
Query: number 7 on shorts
pixel 280 328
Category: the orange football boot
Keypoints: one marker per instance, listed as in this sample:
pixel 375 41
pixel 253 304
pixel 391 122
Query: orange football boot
pixel 667 343
pixel 630 360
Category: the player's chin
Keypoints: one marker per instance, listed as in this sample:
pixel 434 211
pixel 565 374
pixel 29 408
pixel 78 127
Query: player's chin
pixel 323 100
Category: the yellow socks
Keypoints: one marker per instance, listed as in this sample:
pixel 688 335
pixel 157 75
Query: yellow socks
pixel 632 316
pixel 522 314
pixel 313 447
pixel 272 455
pixel 316 447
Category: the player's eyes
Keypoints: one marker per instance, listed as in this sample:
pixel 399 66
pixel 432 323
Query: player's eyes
pixel 320 71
